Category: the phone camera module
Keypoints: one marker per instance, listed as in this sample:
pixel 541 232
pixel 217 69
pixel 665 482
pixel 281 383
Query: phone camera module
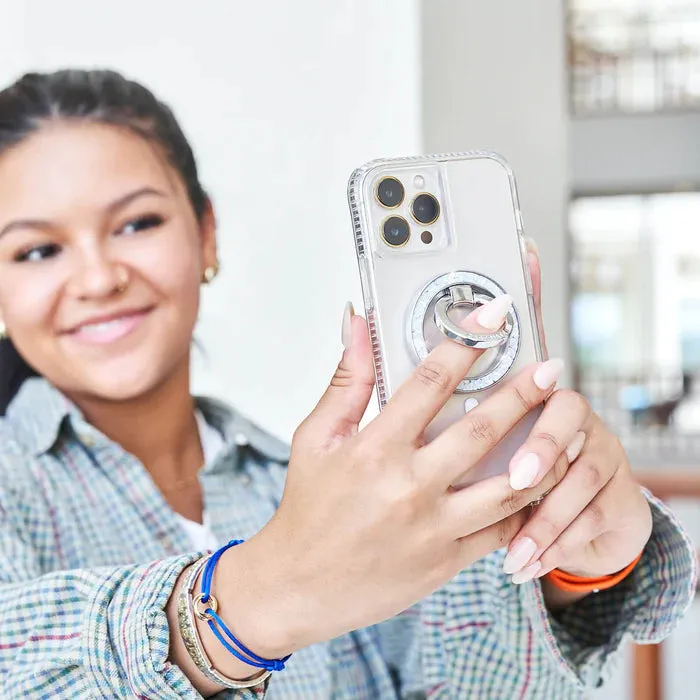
pixel 425 209
pixel 390 192
pixel 396 231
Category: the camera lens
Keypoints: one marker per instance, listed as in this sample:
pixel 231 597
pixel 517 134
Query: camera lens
pixel 395 231
pixel 425 209
pixel 390 192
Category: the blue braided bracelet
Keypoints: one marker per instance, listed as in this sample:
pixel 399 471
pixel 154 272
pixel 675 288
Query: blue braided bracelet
pixel 210 615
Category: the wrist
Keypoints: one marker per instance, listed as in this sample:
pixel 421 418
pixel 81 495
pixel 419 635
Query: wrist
pixel 600 572
pixel 555 599
pixel 255 599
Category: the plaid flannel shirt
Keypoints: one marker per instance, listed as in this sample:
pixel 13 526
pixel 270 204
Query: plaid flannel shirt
pixel 90 552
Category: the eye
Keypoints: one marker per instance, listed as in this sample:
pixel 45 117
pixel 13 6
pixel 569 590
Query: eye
pixel 38 253
pixel 142 223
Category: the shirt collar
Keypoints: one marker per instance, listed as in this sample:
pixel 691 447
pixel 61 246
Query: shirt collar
pixel 39 412
pixel 240 431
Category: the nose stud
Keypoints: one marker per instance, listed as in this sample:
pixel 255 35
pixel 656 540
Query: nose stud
pixel 122 280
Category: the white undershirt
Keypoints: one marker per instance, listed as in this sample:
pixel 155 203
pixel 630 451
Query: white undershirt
pixel 200 535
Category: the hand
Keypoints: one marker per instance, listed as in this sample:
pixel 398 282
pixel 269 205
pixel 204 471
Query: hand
pixel 596 520
pixel 368 523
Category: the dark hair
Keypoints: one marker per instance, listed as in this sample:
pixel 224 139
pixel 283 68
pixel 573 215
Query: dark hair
pixel 98 96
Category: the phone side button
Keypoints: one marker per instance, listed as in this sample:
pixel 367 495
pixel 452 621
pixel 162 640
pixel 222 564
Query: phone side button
pixel 364 280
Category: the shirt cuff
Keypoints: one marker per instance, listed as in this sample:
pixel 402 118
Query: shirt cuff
pixel 645 607
pixel 143 634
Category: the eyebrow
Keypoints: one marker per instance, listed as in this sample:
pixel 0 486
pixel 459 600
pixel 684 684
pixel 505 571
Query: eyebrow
pixel 111 208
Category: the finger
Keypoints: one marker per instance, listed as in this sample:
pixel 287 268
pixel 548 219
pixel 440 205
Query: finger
pixel 533 264
pixel 577 492
pixel 490 501
pixel 340 409
pixel 489 539
pixel 424 393
pixel 460 447
pixel 587 527
pixel 615 512
pixel 564 415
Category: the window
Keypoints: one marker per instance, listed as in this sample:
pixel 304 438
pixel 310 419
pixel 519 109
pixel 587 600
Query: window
pixel 634 55
pixel 635 311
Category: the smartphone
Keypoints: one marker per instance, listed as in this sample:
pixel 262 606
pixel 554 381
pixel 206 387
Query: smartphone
pixel 434 236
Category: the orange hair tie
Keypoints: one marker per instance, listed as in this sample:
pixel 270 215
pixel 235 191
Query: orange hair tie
pixel 579 584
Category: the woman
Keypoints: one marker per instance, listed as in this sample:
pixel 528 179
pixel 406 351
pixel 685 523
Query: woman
pixel 106 512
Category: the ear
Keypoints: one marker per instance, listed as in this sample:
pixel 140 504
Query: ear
pixel 207 234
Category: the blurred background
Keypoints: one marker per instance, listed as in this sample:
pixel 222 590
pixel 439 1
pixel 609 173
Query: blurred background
pixel 596 104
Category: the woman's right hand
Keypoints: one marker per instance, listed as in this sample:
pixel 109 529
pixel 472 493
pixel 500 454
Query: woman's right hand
pixel 369 524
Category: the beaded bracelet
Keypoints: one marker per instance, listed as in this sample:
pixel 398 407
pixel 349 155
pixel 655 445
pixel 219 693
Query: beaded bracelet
pixel 210 615
pixel 193 642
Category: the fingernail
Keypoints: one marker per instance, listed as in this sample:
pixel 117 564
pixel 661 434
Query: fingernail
pixel 493 314
pixel 531 246
pixel 575 446
pixel 524 472
pixel 519 555
pixel 526 574
pixel 470 405
pixel 547 374
pixel 346 331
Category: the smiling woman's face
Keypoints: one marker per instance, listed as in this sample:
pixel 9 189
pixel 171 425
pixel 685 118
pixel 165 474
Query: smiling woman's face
pixel 101 260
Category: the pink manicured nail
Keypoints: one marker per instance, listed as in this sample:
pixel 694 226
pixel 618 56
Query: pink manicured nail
pixel 525 471
pixel 493 314
pixel 346 330
pixel 575 446
pixel 519 555
pixel 526 574
pixel 531 246
pixel 547 373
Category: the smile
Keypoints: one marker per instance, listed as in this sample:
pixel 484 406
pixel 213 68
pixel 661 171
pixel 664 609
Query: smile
pixel 103 332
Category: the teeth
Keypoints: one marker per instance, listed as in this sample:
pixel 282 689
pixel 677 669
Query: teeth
pixel 101 327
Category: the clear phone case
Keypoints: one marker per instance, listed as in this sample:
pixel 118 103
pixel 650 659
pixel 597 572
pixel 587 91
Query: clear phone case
pixel 408 262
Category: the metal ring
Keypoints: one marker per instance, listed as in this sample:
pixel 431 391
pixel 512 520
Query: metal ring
pixel 486 288
pixel 539 499
pixel 463 295
pixel 211 604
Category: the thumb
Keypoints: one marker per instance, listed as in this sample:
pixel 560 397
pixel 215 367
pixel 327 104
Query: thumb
pixel 533 263
pixel 340 410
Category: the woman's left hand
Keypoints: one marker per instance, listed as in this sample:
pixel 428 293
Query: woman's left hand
pixel 594 522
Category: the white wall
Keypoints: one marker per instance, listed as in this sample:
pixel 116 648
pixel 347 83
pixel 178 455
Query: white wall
pixel 281 100
pixel 643 152
pixel 494 77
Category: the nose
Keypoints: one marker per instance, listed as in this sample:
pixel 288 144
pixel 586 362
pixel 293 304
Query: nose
pixel 96 276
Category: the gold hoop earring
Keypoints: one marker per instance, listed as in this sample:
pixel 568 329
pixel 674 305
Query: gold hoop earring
pixel 210 273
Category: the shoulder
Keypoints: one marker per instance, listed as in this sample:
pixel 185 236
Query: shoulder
pixel 17 476
pixel 11 443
